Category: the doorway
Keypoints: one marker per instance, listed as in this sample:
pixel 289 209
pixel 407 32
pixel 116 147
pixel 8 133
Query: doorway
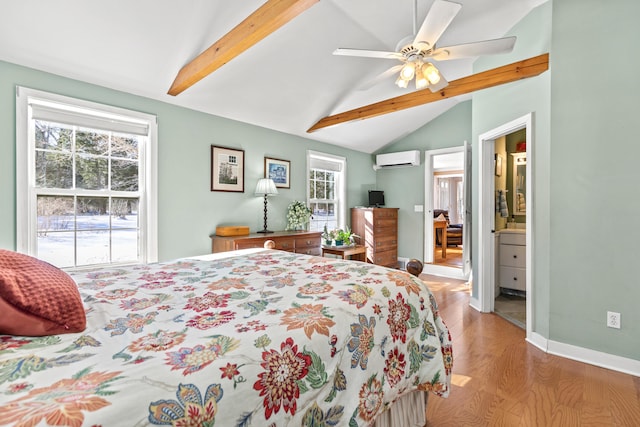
pixel 447 204
pixel 487 243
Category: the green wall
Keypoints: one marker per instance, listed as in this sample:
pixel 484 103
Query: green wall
pixel 502 104
pixel 595 208
pixel 188 211
pixel 487 110
pixel 586 208
pixel 404 187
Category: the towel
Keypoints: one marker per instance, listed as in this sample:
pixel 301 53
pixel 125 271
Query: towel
pixel 501 204
pixel 521 202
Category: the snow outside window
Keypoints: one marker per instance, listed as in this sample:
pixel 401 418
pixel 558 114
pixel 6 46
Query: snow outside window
pixel 326 190
pixel 85 181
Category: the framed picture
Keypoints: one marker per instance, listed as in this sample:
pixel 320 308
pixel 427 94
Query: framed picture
pixel 278 170
pixel 227 169
pixel 498 165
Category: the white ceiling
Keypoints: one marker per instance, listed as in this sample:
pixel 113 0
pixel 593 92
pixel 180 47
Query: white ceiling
pixel 287 82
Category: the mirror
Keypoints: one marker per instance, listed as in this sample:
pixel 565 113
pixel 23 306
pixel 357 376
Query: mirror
pixel 519 183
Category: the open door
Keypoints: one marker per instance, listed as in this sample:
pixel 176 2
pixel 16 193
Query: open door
pixel 485 276
pixel 468 226
pixel 447 190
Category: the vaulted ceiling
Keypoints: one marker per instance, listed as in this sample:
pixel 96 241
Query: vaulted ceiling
pixel 287 81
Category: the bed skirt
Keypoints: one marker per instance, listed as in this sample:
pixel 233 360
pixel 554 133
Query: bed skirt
pixel 408 411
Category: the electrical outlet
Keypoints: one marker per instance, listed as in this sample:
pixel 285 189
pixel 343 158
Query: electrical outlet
pixel 613 319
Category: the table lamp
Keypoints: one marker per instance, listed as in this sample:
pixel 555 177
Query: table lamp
pixel 266 187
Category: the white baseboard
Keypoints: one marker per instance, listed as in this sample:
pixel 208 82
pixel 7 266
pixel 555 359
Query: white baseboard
pixel 580 354
pixel 539 341
pixel 444 271
pixel 585 355
pixel 593 357
pixel 402 263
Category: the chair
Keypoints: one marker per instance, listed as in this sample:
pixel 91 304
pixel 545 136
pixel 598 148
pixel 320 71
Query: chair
pixel 454 231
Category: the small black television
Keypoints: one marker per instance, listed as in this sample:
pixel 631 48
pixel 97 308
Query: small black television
pixel 376 198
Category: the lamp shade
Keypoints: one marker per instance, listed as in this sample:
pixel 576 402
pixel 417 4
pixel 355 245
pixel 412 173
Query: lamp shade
pixel 266 187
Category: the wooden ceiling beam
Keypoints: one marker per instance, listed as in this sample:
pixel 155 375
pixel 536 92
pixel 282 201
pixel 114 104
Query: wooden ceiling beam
pixel 265 20
pixel 509 73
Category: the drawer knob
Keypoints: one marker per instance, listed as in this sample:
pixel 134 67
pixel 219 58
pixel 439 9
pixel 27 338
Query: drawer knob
pixel 515 279
pixel 308 242
pixel 515 256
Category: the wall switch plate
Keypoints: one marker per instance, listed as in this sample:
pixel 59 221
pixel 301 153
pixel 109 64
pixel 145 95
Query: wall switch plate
pixel 418 208
pixel 613 319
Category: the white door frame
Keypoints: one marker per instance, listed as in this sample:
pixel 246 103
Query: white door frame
pixel 438 270
pixel 486 218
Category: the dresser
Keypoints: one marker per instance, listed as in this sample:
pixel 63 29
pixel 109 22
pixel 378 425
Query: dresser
pixel 378 229
pixel 512 259
pixel 301 242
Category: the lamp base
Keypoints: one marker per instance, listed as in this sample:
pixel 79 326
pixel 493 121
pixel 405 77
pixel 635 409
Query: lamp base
pixel 265 231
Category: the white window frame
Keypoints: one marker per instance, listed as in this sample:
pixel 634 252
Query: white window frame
pixel 341 183
pixel 26 203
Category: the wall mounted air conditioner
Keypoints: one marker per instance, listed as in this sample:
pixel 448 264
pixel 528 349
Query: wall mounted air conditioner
pixel 399 159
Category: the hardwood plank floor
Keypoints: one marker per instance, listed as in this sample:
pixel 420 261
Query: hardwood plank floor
pixel 501 380
pixel 453 259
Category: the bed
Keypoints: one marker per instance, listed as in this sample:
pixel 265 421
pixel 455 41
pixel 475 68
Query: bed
pixel 246 338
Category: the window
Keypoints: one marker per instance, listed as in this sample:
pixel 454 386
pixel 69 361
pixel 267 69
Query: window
pixel 448 195
pixel 326 190
pixel 85 181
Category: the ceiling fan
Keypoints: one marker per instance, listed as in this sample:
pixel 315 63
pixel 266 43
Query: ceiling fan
pixel 415 51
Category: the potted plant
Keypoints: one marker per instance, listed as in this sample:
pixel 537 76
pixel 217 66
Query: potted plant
pixel 344 237
pixel 335 236
pixel 327 236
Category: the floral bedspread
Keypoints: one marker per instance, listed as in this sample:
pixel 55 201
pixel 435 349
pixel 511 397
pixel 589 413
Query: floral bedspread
pixel 266 338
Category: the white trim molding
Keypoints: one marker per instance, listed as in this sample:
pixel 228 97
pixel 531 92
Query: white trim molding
pixel 594 357
pixel 539 341
pixel 486 217
pixel 586 355
pixel 89 113
pixel 475 304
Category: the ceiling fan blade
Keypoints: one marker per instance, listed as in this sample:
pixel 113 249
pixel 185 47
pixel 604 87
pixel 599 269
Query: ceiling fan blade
pixel 437 20
pixel 380 77
pixel 368 53
pixel 487 47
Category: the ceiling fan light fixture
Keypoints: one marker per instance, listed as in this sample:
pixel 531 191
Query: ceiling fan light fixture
pixel 431 73
pixel 421 80
pixel 408 71
pixel 402 83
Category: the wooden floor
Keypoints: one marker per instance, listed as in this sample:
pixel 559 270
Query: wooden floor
pixel 501 380
pixel 453 259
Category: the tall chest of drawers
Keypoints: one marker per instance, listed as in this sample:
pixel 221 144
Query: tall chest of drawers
pixel 513 267
pixel 378 228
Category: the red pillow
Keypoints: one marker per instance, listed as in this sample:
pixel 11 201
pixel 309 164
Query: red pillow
pixel 37 298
